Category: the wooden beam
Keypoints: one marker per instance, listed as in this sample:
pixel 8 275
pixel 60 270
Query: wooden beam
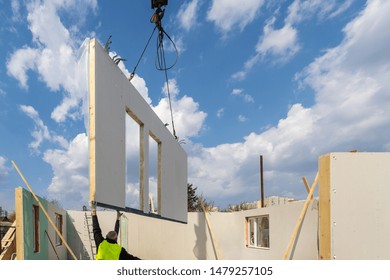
pixel 92 122
pixel 261 181
pixel 52 245
pixel 324 208
pixel 151 203
pixel 299 223
pixel 306 183
pixel 44 211
pixel 9 241
pixel 217 250
pixel 19 223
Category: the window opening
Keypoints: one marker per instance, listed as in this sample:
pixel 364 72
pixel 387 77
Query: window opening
pixel 123 232
pixel 154 174
pixel 258 232
pixel 36 228
pixel 59 227
pixel 133 165
pixel 251 232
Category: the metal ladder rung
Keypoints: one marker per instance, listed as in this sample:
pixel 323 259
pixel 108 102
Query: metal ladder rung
pixel 88 221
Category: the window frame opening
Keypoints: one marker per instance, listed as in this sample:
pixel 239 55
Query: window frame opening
pixel 36 225
pixel 258 232
pixel 59 225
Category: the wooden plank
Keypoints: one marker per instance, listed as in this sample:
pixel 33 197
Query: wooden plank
pixel 261 182
pixel 92 122
pixel 306 183
pixel 217 250
pixel 8 243
pixel 44 211
pixel 19 224
pixel 52 245
pixel 324 208
pixel 300 219
pixel 9 235
pixel 151 204
pixel 9 251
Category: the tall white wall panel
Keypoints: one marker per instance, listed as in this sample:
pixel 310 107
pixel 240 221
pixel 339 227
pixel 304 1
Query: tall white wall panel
pixel 111 97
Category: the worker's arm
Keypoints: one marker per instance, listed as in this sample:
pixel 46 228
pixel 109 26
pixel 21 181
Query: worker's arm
pixel 97 232
pixel 126 256
pixel 118 217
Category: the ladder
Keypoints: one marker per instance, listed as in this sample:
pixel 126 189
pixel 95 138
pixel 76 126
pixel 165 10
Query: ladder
pixel 89 232
pixel 8 244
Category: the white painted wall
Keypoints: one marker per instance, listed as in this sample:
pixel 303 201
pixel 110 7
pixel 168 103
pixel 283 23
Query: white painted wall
pixel 150 238
pixel 111 96
pixel 359 206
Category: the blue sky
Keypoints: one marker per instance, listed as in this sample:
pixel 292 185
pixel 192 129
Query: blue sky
pixel 289 80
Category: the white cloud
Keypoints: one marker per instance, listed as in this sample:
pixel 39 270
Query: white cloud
pixel 179 47
pixel 20 62
pixel 237 91
pixel 188 119
pixel 70 182
pixel 3 168
pixel 220 113
pixel 41 131
pixel 281 44
pixel 15 6
pixel 172 88
pixel 301 10
pixel 227 14
pixel 242 118
pixel 235 166
pixel 188 14
pixel 351 108
pixel 53 54
pixel 248 98
pixel 132 195
pixel 240 75
pixel 240 92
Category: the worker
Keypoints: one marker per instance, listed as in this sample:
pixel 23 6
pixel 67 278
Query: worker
pixel 108 248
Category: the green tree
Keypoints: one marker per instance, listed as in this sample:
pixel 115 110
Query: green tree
pixel 192 198
pixel 195 201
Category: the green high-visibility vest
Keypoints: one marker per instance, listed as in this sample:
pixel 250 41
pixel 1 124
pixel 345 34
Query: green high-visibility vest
pixel 108 251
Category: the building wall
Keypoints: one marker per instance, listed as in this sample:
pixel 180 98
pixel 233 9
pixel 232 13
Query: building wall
pixel 354 206
pixel 150 238
pixel 77 235
pixel 24 202
pixel 112 98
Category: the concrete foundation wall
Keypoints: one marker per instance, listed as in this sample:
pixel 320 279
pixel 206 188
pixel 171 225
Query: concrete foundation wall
pixel 155 239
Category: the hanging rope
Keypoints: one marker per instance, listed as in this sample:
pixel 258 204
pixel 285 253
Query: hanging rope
pixel 159 63
pixel 142 54
pixel 160 60
pixel 167 82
